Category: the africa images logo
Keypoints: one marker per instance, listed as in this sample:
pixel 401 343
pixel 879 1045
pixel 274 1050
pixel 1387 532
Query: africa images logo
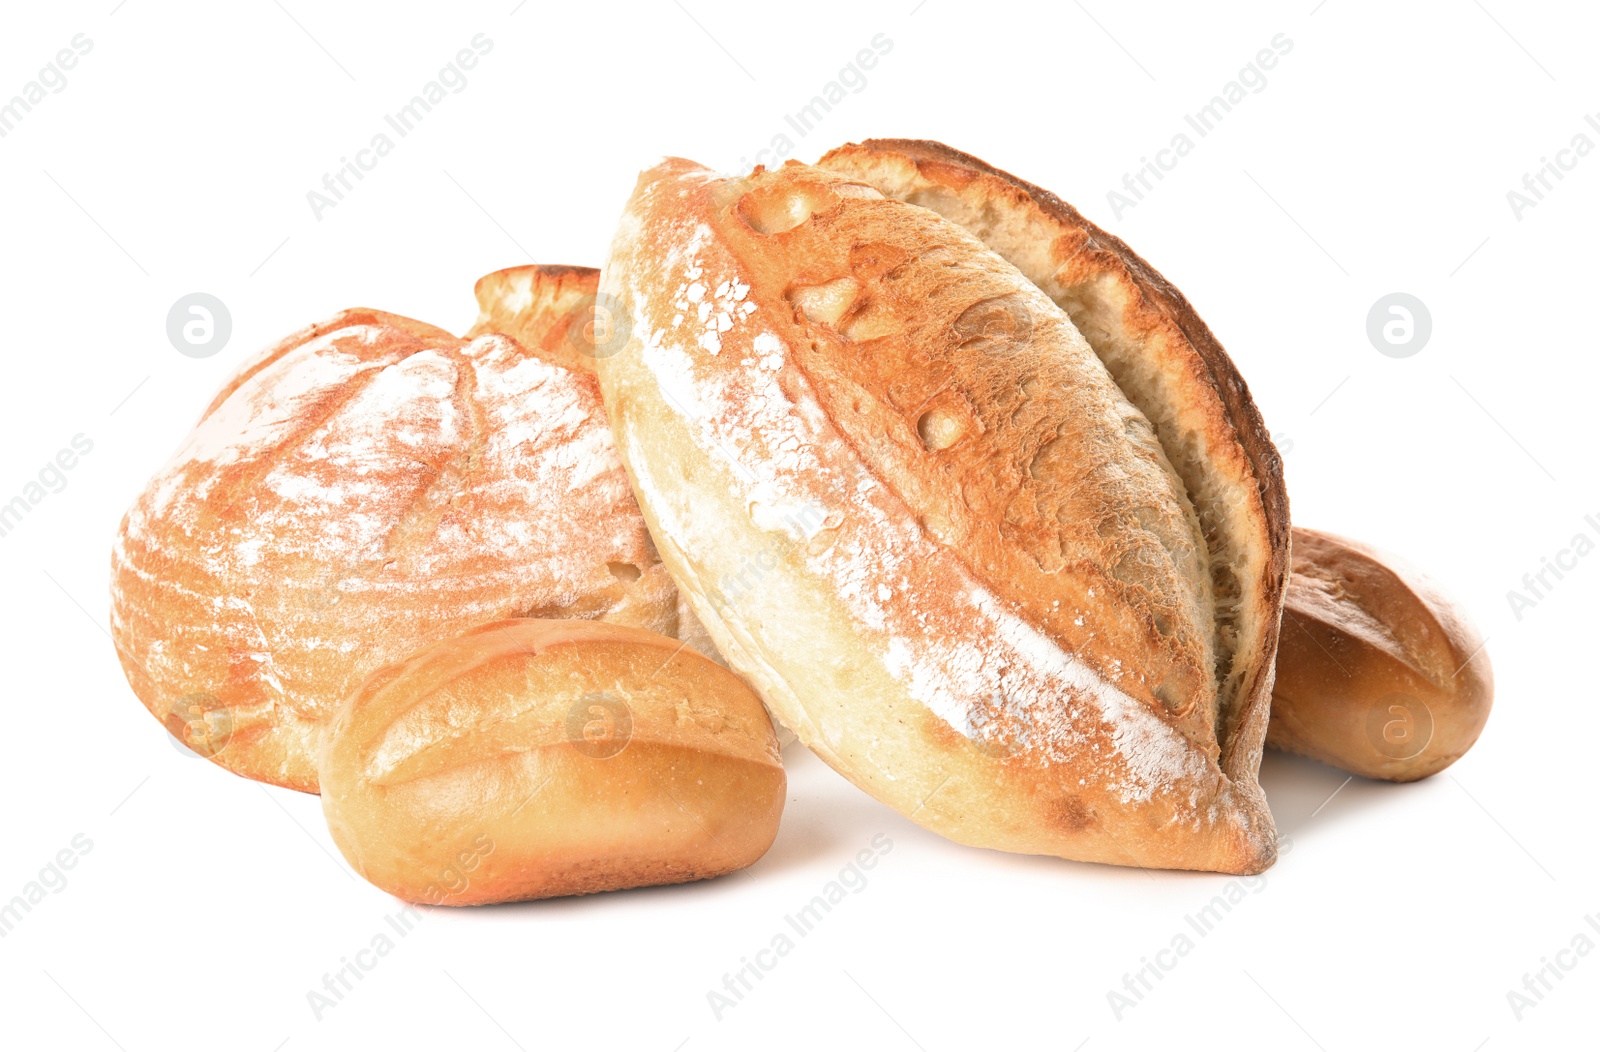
pixel 450 80
pixel 52 77
pixel 1540 182
pixel 1250 80
pixel 1538 584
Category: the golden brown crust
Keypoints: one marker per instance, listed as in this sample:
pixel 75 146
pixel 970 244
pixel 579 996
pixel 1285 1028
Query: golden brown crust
pixel 526 759
pixel 768 408
pixel 1044 481
pixel 1170 365
pixel 1379 673
pixel 365 486
pixel 355 317
pixel 547 308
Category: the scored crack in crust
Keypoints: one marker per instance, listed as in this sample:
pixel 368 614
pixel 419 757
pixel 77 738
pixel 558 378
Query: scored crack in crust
pixel 1167 362
pixel 986 596
pixel 366 486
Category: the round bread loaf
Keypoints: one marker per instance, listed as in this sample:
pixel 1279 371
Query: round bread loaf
pixel 369 485
pixel 1379 672
pixel 526 759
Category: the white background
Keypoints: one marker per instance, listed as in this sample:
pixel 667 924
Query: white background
pixel 1377 159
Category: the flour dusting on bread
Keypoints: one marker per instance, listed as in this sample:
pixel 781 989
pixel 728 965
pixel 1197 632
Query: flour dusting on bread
pixel 353 496
pixel 978 591
pixel 1009 684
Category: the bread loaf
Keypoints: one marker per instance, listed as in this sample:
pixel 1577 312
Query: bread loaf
pixel 1166 361
pixel 1379 672
pixel 918 513
pixel 365 487
pixel 1339 657
pixel 525 759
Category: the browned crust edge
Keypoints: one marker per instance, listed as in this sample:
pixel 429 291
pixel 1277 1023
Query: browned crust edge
pixel 1234 394
pixel 1470 687
pixel 346 318
pixel 553 270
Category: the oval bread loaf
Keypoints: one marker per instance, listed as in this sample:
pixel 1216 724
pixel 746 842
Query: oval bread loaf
pixel 526 759
pixel 1150 338
pixel 1379 673
pixel 920 516
pixel 1167 362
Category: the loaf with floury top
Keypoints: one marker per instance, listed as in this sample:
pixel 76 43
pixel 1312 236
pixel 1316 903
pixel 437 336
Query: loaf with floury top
pixel 368 486
pixel 1023 593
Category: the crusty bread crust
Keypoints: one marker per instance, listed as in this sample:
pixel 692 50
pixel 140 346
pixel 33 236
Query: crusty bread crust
pixel 549 308
pixel 1379 673
pixel 525 759
pixel 545 307
pixel 366 486
pixel 1168 363
pixel 807 407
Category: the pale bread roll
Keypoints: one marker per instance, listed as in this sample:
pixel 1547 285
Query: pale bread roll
pixel 1379 672
pixel 525 759
pixel 365 487
pixel 983 591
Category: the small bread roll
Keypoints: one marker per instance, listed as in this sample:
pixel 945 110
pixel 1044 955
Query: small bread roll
pixel 527 759
pixel 1378 672
pixel 366 487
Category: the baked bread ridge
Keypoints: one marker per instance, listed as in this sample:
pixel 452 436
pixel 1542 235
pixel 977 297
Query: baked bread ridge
pixel 1167 362
pixel 362 488
pixel 543 306
pixel 525 759
pixel 1380 673
pixel 781 480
